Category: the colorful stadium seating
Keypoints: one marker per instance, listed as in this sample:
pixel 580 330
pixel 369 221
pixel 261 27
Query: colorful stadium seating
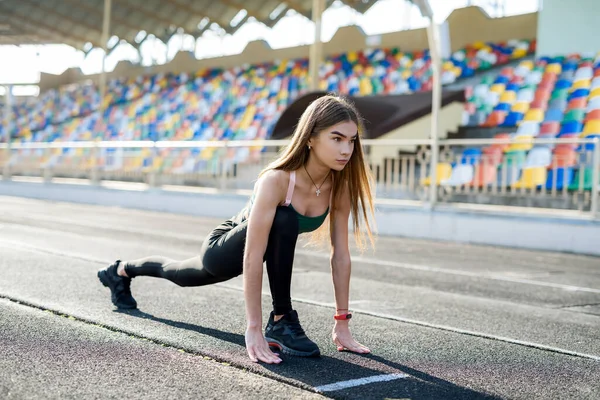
pixel 237 103
pixel 548 98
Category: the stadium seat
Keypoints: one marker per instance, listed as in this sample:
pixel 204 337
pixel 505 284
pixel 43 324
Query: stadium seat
pixel 550 127
pixel 521 143
pixel 564 156
pixel 485 174
pixel 443 173
pixel 582 180
pixel 559 178
pixel 531 178
pixel 539 157
pixel 462 174
pixel 529 128
pixel 534 114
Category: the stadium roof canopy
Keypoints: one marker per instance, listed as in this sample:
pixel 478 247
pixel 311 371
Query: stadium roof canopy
pixel 79 23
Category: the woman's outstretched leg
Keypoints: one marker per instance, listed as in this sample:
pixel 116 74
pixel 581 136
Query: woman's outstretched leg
pixel 220 260
pixel 283 329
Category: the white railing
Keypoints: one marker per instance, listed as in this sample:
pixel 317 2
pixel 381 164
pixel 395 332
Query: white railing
pixel 543 173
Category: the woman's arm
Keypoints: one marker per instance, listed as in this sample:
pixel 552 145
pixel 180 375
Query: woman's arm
pixel 341 267
pixel 340 254
pixel 267 198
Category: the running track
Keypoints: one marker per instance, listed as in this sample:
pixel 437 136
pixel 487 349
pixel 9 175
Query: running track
pixel 443 320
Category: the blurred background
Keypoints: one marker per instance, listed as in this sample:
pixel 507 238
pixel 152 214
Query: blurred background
pixel 482 105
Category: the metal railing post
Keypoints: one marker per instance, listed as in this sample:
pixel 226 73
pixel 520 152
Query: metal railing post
pixel 595 178
pixel 6 173
pixel 95 170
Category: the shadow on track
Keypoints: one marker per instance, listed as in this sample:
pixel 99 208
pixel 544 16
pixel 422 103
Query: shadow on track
pixel 325 370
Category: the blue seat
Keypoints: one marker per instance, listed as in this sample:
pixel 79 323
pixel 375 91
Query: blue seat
pixel 502 107
pixel 512 119
pixel 571 127
pixel 513 87
pixel 560 104
pixel 579 93
pixel 588 146
pixel 502 79
pixel 471 156
pixel 562 84
pixel 553 114
pixel 564 177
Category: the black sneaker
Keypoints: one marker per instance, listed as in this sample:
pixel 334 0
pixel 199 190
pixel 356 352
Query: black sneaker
pixel 288 336
pixel 119 286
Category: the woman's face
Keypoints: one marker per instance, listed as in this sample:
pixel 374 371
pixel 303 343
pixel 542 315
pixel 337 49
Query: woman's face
pixel 334 145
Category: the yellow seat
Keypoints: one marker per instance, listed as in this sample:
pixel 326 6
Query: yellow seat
pixel 521 143
pixel 520 106
pixel 527 64
pixel 498 88
pixel 443 172
pixel 554 68
pixel 594 93
pixel 534 114
pixel 508 97
pixel 519 53
pixel 581 84
pixel 448 66
pixel 531 178
pixel 592 126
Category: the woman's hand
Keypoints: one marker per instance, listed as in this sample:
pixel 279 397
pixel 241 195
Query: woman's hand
pixel 343 339
pixel 258 348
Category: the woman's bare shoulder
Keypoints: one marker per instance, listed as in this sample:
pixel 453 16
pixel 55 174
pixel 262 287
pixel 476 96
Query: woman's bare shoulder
pixel 274 179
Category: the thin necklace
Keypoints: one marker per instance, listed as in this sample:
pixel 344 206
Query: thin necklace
pixel 318 187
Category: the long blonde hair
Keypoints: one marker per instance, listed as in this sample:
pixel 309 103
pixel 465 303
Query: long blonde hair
pixel 321 114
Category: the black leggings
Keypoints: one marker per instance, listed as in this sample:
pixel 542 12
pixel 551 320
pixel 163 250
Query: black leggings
pixel 222 258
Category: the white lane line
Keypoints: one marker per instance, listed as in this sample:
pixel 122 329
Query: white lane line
pixel 308 253
pixel 538 346
pixel 331 305
pixel 359 382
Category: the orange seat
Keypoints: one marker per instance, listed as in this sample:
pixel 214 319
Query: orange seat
pixel 485 174
pixel 495 119
pixel 592 115
pixel 550 127
pixel 564 156
pixel 493 154
pixel 579 102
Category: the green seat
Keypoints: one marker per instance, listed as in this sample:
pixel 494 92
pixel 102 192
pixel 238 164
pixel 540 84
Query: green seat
pixel 576 114
pixel 587 180
pixel 517 157
pixel 559 94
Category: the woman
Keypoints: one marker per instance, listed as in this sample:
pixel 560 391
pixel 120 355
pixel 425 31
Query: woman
pixel 323 174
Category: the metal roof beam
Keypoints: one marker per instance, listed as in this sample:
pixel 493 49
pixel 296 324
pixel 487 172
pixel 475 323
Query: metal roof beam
pixel 49 28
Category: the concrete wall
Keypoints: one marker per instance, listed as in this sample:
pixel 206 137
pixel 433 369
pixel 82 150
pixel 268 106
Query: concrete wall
pixel 568 27
pixel 495 227
pixel 466 25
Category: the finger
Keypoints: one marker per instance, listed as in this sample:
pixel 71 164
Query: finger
pixel 252 355
pixel 267 355
pixel 340 346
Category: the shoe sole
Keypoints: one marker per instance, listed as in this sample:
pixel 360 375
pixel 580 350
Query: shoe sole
pixel 104 280
pixel 292 352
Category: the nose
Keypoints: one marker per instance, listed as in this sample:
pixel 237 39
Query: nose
pixel 346 149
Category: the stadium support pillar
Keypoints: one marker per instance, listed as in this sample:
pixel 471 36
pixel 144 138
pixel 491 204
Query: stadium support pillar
pixel 595 179
pixel 104 40
pixel 316 49
pixel 436 100
pixel 433 38
pixel 7 117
